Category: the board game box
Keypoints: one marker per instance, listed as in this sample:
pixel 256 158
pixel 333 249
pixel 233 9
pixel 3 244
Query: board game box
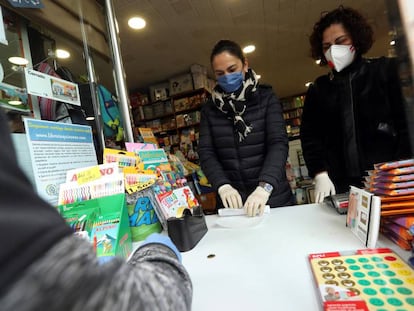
pixel 363 280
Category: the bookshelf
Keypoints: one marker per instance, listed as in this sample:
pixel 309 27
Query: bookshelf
pixel 174 120
pixel 292 113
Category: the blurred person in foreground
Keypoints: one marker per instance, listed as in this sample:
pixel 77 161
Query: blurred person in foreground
pixel 44 266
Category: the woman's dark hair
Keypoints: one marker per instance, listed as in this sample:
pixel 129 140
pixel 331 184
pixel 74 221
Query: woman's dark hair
pixel 227 46
pixel 354 23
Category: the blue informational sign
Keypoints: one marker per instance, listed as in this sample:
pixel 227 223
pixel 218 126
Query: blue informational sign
pixel 33 4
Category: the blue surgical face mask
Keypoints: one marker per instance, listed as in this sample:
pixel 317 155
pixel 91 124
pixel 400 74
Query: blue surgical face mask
pixel 231 81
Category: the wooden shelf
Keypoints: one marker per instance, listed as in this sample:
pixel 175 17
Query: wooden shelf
pixel 169 115
pixel 189 125
pixel 191 101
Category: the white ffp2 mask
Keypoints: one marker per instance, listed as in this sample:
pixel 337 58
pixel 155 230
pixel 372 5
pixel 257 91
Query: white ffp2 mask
pixel 340 56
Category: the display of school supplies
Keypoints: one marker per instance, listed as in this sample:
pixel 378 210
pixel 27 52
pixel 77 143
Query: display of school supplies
pixel 393 182
pixel 121 157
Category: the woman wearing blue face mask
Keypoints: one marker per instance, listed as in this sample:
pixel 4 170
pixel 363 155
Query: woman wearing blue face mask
pixel 243 142
pixel 354 116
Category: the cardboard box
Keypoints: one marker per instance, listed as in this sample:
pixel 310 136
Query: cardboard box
pixel 200 81
pixel 181 104
pixel 158 109
pixel 148 112
pixel 181 84
pixel 138 99
pixel 197 68
pixel 168 109
pixel 159 91
pixel 180 120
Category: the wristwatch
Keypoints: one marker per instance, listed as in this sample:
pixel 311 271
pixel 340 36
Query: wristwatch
pixel 267 187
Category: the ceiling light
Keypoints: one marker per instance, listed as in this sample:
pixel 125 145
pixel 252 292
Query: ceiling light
pixel 14 102
pixel 258 76
pixel 60 53
pixel 318 62
pixel 307 84
pixel 90 118
pixel 136 23
pixel 392 42
pixel 20 61
pixel 249 49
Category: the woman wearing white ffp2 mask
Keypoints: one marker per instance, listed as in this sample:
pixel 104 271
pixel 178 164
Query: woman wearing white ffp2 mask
pixel 354 116
pixel 340 56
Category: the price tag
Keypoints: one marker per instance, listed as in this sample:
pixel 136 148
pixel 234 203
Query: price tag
pixel 88 175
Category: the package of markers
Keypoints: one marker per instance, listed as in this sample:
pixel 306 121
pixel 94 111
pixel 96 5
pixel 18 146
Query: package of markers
pixel 390 178
pixel 394 234
pixel 385 166
pixel 104 232
pixel 121 157
pixel 393 185
pixel 72 192
pixel 396 171
pixel 398 230
pixel 404 221
pixel 394 192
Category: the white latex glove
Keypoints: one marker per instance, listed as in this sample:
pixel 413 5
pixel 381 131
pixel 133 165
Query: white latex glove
pixel 256 202
pixel 230 197
pixel 323 187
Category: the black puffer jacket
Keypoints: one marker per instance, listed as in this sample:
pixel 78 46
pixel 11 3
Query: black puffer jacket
pixel 260 157
pixel 353 119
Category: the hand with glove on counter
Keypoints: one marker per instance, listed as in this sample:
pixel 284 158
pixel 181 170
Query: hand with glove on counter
pixel 323 187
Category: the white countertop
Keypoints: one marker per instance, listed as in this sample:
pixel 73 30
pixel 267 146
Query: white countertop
pixel 266 267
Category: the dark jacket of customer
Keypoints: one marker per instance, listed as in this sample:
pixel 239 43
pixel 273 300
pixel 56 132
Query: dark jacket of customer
pixel 261 156
pixel 353 119
pixel 43 266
